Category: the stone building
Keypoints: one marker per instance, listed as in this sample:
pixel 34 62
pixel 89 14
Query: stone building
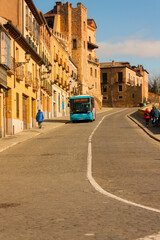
pixel 78 34
pixel 123 85
pixel 5 64
pixel 73 83
pixel 22 21
pixel 45 87
pixel 60 77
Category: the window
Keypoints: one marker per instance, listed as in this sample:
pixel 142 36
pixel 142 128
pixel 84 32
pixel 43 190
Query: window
pixel 133 95
pixel 129 77
pixel 134 80
pixel 90 71
pixel 120 97
pixel 17 105
pixel 84 26
pixel 120 88
pixel 120 77
pixel 89 39
pixel 74 44
pixel 5 46
pixel 104 77
pixel 104 89
pixel 95 73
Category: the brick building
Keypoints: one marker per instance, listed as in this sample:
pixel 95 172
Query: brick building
pixel 123 85
pixel 78 34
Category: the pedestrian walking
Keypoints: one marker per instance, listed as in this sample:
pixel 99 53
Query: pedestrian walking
pixel 151 114
pixel 39 118
pixel 147 117
pixel 155 115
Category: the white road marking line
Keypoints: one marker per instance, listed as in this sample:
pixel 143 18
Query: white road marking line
pixel 95 184
pixel 89 234
pixel 151 237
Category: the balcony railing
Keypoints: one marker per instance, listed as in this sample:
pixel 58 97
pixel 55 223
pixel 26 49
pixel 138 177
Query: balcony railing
pixel 20 73
pixel 67 69
pixel 46 86
pixel 93 60
pixel 56 57
pixel 36 84
pixel 64 65
pixel 28 79
pixel 61 36
pixel 60 62
pixel 12 70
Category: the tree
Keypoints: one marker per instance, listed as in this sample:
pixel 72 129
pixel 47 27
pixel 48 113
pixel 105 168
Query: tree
pixel 154 84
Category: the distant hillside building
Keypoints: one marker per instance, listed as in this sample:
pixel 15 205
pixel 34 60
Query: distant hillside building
pixel 78 34
pixel 123 85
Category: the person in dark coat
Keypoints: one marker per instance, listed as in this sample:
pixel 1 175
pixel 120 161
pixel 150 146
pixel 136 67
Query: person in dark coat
pixel 155 115
pixel 39 118
pixel 147 117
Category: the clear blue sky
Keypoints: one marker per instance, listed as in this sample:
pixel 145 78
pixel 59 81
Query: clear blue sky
pixel 127 30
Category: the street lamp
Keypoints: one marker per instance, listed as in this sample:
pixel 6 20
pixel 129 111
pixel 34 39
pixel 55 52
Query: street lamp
pixel 27 58
pixel 49 67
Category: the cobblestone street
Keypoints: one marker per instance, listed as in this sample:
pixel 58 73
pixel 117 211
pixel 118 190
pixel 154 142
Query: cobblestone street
pixel 45 193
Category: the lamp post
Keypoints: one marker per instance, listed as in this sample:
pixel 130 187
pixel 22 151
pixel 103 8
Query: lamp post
pixel 27 58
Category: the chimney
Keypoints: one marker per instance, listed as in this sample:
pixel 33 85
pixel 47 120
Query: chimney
pixel 58 5
pixel 141 69
pixel 113 63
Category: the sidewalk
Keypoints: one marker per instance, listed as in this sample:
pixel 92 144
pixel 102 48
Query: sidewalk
pixel 47 125
pixel 153 132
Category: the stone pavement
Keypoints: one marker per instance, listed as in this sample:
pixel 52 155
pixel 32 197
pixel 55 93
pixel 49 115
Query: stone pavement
pixel 50 124
pixel 153 132
pixel 47 125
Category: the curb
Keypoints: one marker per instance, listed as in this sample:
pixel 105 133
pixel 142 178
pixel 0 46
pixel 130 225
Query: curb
pixel 144 129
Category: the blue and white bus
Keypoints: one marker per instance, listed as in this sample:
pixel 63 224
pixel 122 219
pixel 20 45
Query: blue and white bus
pixel 82 107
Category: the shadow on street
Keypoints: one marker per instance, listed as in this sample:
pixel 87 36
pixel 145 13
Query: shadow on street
pixel 154 130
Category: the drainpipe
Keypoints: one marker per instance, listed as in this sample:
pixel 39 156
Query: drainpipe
pixel 4 113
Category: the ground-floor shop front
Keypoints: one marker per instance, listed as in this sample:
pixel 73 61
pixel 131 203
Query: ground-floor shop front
pixel 60 102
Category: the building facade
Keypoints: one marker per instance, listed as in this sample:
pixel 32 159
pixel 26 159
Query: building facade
pixel 5 65
pixel 78 34
pixel 123 85
pixel 22 21
pixel 60 76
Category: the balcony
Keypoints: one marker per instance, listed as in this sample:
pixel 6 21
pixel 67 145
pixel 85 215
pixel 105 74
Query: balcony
pixel 67 69
pixel 56 57
pixel 64 65
pixel 47 87
pixel 36 85
pixel 11 71
pixel 20 73
pixel 91 45
pixel 60 62
pixel 93 60
pixel 28 79
pixel 3 77
pixel 61 36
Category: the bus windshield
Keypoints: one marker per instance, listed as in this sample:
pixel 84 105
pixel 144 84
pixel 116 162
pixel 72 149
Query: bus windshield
pixel 80 105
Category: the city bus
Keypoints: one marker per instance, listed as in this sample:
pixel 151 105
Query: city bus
pixel 82 107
